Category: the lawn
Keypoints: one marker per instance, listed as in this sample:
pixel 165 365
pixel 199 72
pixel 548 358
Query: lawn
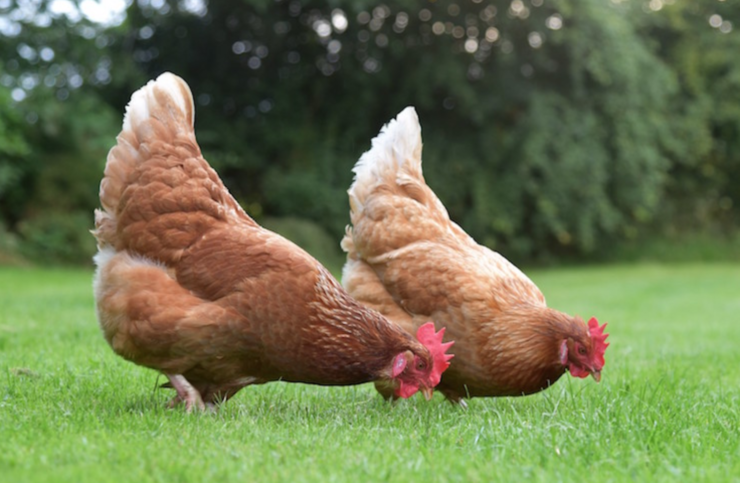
pixel 667 409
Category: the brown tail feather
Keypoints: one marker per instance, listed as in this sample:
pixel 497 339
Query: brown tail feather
pixel 391 205
pixel 169 101
pixel 158 194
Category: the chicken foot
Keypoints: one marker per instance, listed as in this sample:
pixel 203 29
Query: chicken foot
pixel 185 393
pixel 454 397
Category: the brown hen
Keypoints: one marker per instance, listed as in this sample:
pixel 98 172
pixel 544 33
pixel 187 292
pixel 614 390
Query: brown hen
pixel 188 284
pixel 409 261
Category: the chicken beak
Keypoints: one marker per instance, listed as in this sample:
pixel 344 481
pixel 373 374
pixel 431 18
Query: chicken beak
pixel 428 392
pixel 596 375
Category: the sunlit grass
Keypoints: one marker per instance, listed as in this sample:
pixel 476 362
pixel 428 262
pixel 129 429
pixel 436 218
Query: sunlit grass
pixel 668 406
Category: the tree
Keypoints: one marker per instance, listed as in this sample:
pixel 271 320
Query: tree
pixel 699 41
pixel 550 127
pixel 56 63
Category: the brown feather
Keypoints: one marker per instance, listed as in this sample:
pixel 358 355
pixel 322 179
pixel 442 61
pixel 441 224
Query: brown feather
pixel 188 284
pixel 409 261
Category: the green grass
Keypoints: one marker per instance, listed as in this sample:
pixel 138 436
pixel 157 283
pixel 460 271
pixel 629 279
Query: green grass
pixel 695 247
pixel 667 409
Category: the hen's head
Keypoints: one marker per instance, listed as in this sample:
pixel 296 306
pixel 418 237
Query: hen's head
pixel 421 370
pixel 583 352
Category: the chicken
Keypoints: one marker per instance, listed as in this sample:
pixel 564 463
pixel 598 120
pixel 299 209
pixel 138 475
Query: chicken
pixel 409 261
pixel 188 284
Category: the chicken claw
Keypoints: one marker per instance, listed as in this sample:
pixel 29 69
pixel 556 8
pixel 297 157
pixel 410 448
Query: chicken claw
pixel 185 393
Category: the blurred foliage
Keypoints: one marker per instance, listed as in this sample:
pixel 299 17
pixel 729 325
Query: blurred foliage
pixel 699 41
pixel 57 237
pixel 13 145
pixel 9 252
pixel 689 247
pixel 311 237
pixel 551 128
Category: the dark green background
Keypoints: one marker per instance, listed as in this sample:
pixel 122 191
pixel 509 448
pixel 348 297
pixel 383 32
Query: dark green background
pixel 584 142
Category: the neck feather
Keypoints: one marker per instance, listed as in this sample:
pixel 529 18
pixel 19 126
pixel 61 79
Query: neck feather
pixel 353 336
pixel 524 345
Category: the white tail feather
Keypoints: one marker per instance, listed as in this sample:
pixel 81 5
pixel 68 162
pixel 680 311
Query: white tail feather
pixel 166 100
pixel 139 107
pixel 396 151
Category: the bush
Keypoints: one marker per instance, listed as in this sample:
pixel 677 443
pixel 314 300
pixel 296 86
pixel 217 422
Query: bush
pixel 311 237
pixel 9 253
pixel 552 129
pixel 62 238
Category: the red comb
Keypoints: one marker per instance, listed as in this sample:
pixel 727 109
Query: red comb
pixel 433 341
pixel 598 337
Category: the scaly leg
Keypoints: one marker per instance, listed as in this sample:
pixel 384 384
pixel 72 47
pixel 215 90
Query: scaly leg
pixel 185 392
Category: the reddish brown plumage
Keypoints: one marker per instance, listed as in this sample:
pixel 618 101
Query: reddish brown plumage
pixel 410 262
pixel 190 285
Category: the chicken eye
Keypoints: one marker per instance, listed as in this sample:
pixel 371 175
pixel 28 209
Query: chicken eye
pixel 582 350
pixel 421 366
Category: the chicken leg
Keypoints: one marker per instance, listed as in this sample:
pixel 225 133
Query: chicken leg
pixel 185 393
